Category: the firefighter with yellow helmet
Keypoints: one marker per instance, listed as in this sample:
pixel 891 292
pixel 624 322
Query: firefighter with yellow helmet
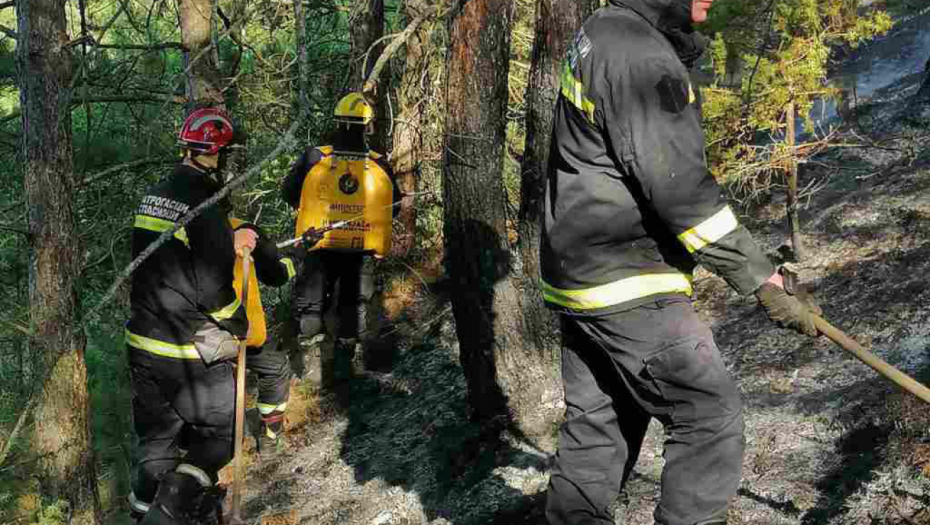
pixel 327 185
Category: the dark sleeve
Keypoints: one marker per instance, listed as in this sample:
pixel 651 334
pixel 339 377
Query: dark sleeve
pixel 398 194
pixel 213 257
pixel 652 122
pixel 294 181
pixel 271 267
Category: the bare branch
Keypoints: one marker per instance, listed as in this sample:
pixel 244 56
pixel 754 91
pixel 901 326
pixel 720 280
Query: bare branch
pixel 11 3
pixel 398 40
pixel 8 32
pixel 142 47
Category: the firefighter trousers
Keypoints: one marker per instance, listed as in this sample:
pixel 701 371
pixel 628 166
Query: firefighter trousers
pixel 619 371
pixel 320 272
pixel 270 364
pixel 180 403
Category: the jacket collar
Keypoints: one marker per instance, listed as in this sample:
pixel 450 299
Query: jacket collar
pixel 663 14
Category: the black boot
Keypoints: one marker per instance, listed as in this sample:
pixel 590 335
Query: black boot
pixel 179 497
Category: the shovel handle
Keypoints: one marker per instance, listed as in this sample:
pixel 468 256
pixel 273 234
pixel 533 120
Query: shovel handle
pixel 239 471
pixel 880 365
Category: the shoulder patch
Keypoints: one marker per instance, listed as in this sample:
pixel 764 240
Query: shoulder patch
pixel 674 94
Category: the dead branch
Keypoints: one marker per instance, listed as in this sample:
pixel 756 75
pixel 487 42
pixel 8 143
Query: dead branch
pixel 398 40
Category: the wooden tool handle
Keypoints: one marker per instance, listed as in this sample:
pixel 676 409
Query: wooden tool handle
pixel 881 366
pixel 239 471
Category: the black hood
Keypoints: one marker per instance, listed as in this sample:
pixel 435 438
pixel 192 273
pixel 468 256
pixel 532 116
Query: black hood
pixel 673 19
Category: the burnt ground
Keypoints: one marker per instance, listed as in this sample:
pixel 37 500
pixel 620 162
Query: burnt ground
pixel 829 442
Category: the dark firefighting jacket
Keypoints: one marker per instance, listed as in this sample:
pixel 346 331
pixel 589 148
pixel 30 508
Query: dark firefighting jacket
pixel 187 281
pixel 631 208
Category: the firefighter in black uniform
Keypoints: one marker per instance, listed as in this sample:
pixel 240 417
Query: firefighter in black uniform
pixel 183 332
pixel 270 267
pixel 331 178
pixel 630 211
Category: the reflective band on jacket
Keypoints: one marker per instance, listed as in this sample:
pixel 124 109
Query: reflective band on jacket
pixel 227 311
pixel 618 292
pixel 161 225
pixel 291 272
pixel 709 231
pixel 265 408
pixel 154 346
pixel 573 91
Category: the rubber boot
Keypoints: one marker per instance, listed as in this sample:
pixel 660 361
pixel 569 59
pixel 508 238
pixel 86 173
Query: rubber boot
pixel 271 436
pixel 347 357
pixel 310 350
pixel 179 497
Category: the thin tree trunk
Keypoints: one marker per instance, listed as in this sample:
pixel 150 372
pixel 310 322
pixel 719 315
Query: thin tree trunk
pixel 367 27
pixel 203 75
pixel 300 37
pixel 62 431
pixel 408 138
pixel 498 363
pixel 556 23
pixel 794 224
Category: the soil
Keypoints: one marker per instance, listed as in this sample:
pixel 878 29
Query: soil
pixel 829 441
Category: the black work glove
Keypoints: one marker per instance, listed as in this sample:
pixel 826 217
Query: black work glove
pixel 791 306
pixel 310 237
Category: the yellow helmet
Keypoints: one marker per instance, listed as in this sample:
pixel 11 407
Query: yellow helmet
pixel 353 109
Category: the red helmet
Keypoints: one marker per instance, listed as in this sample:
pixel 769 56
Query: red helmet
pixel 206 131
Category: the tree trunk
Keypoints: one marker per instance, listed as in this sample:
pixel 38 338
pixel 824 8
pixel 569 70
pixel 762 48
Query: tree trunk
pixel 62 432
pixel 408 138
pixel 794 223
pixel 367 27
pixel 498 363
pixel 300 38
pixel 203 75
pixel 556 23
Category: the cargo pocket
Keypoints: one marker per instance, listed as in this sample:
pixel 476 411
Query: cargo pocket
pixel 691 378
pixel 215 344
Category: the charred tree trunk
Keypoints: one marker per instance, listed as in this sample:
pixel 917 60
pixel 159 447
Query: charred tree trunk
pixel 498 362
pixel 556 23
pixel 62 431
pixel 196 20
pixel 367 28
pixel 408 139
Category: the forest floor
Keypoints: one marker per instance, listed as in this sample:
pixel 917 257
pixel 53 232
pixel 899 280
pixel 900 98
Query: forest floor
pixel 829 442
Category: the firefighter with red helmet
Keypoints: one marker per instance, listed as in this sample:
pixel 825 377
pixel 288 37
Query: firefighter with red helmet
pixel 326 185
pixel 183 332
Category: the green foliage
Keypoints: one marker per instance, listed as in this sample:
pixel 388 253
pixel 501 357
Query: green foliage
pixel 783 54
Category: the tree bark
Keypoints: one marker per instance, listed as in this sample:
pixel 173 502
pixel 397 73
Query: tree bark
pixel 794 223
pixel 408 138
pixel 500 367
pixel 367 27
pixel 556 23
pixel 62 432
pixel 202 72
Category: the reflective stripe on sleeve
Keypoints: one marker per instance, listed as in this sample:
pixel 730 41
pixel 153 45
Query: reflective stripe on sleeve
pixel 709 231
pixel 161 225
pixel 154 346
pixel 618 292
pixel 291 271
pixel 227 311
pixel 573 91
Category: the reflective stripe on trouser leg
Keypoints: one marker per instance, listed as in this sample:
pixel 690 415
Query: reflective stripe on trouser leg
pixel 274 377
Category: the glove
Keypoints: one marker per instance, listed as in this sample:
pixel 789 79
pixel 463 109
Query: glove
pixel 791 306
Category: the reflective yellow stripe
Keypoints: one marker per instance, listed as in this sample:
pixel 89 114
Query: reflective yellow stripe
pixel 227 311
pixel 573 90
pixel 161 225
pixel 265 408
pixel 709 231
pixel 291 272
pixel 619 291
pixel 154 346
